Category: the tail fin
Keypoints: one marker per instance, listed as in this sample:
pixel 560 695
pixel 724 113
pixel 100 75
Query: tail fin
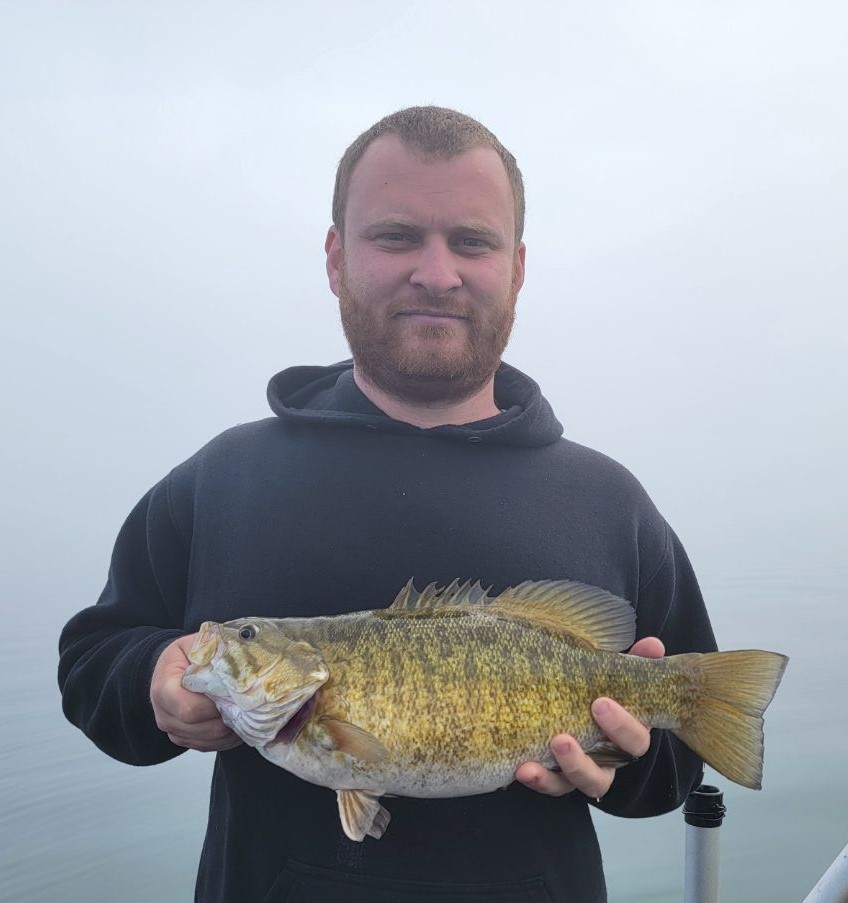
pixel 726 727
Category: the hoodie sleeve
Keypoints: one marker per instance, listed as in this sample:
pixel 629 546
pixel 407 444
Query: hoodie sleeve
pixel 108 651
pixel 670 606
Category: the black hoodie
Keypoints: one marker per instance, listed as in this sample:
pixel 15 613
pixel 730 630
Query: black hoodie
pixel 329 507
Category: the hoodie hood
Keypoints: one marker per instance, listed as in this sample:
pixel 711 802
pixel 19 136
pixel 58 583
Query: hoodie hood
pixel 329 395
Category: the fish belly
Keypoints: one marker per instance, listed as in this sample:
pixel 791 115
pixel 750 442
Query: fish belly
pixel 339 771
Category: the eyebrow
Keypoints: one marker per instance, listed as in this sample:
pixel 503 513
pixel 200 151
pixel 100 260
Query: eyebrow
pixel 388 224
pixel 478 229
pixel 481 230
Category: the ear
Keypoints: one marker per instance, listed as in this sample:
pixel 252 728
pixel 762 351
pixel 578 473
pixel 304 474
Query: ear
pixel 335 258
pixel 519 266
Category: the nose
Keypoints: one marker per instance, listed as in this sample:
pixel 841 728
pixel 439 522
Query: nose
pixel 436 269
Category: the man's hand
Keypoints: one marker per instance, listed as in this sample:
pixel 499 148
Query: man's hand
pixel 579 771
pixel 189 719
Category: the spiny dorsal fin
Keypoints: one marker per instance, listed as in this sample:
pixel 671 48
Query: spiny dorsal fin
pixel 433 596
pixel 586 612
pixel 589 614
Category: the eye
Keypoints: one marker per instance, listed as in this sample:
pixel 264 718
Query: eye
pixel 394 239
pixel 248 632
pixel 470 244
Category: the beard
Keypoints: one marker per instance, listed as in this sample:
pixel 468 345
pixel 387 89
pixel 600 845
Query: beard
pixel 424 363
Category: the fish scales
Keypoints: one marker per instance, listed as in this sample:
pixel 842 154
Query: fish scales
pixel 454 690
pixel 447 691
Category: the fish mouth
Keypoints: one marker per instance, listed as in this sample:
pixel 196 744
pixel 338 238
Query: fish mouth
pixel 206 646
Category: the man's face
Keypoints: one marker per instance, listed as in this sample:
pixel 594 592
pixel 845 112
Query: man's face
pixel 428 271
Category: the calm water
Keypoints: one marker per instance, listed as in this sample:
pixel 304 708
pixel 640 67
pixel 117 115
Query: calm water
pixel 76 826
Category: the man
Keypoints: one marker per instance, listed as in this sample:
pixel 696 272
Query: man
pixel 426 458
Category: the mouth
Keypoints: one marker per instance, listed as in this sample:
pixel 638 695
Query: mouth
pixel 430 317
pixel 205 645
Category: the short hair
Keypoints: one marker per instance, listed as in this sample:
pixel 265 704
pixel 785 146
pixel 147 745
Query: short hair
pixel 433 132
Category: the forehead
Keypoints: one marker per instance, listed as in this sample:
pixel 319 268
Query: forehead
pixel 393 181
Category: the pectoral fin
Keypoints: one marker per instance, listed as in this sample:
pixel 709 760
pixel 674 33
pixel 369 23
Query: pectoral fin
pixel 353 740
pixel 608 755
pixel 361 814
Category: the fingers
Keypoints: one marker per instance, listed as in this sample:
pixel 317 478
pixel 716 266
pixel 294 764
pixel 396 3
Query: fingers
pixel 173 704
pixel 189 719
pixel 648 647
pixel 577 771
pixel 619 726
pixel 209 737
pixel 540 779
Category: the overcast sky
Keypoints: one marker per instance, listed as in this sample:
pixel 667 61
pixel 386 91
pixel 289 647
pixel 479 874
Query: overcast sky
pixel 166 171
pixel 165 179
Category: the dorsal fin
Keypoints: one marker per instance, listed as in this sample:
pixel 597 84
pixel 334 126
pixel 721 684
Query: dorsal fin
pixel 586 612
pixel 589 614
pixel 433 596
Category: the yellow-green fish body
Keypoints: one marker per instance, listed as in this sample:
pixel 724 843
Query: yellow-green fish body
pixel 446 692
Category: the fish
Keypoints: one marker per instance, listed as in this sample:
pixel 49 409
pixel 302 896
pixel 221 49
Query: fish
pixel 448 690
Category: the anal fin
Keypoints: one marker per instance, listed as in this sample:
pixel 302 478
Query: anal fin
pixel 608 755
pixel 361 814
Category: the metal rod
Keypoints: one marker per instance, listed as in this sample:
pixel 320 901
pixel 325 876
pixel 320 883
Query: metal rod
pixel 703 812
pixel 832 887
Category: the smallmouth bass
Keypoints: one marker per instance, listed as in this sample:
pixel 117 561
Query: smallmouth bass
pixel 446 692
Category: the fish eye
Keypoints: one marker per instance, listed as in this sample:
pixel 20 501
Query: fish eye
pixel 248 632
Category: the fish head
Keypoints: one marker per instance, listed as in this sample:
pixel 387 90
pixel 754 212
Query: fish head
pixel 257 675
